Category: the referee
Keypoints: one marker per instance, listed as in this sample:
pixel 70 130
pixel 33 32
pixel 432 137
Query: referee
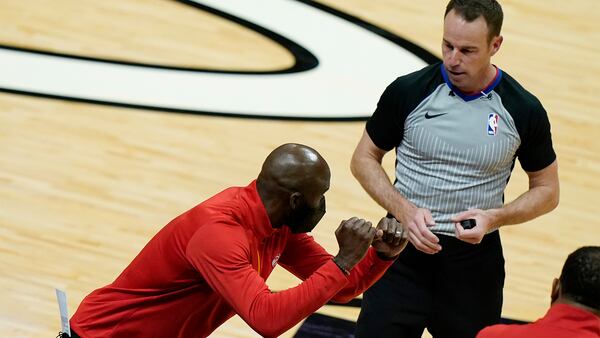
pixel 457 128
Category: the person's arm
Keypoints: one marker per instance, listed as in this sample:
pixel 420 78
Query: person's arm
pixel 366 167
pixel 303 256
pixel 221 254
pixel 542 197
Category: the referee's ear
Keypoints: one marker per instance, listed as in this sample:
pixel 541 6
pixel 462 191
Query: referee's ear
pixel 495 44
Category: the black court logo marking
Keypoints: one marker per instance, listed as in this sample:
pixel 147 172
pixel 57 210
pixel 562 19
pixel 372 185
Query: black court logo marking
pixel 342 64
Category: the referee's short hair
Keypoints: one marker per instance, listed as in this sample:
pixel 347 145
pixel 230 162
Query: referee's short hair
pixel 580 277
pixel 470 10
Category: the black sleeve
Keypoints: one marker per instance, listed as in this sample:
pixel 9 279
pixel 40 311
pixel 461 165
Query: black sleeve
pixel 383 126
pixel 536 151
pixel 400 98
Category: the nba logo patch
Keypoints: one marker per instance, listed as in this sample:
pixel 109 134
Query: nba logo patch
pixel 492 125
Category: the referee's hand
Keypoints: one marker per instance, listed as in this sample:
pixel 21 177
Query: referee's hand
pixel 474 235
pixel 417 221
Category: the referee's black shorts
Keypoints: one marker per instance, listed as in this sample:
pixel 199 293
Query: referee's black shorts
pixel 454 293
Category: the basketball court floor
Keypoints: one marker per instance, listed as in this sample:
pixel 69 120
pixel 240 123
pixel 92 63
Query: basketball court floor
pixel 117 116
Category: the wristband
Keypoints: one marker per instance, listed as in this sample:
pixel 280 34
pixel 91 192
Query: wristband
pixel 344 270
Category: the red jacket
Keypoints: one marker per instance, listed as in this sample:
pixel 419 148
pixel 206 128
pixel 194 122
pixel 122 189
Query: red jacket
pixel 561 321
pixel 212 262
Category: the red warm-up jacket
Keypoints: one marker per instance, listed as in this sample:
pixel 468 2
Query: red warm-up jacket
pixel 561 321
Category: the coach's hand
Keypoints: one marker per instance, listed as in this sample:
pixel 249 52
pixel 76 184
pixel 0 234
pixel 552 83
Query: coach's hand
pixel 484 223
pixel 393 238
pixel 354 237
pixel 417 221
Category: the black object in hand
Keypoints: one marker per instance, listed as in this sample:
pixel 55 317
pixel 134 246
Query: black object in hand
pixel 468 223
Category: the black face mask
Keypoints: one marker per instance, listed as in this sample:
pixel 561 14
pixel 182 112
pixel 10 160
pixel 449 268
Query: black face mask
pixel 305 219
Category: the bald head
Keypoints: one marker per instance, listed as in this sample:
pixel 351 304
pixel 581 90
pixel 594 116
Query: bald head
pixel 296 167
pixel 292 184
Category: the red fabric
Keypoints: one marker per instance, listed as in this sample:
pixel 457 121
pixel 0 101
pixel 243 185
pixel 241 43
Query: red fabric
pixel 212 262
pixel 561 321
